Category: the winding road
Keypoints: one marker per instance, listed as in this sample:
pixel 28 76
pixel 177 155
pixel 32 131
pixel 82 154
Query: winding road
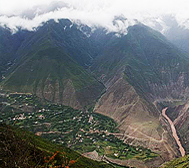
pixel 181 149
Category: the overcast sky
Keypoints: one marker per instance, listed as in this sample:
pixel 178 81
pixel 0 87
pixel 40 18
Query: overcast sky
pixel 31 13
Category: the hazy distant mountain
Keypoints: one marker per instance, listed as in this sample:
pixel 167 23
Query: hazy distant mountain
pixel 180 37
pixel 177 34
pixel 174 31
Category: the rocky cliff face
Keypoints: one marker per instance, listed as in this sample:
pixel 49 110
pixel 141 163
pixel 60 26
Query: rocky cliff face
pixel 138 120
pixel 173 89
pixel 139 70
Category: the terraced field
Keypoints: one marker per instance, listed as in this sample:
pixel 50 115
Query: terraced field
pixel 81 130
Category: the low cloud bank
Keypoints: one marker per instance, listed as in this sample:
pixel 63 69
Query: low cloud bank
pixel 113 15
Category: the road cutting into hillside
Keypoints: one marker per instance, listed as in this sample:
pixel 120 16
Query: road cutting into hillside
pixel 174 132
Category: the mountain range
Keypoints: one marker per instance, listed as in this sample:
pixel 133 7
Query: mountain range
pixel 129 78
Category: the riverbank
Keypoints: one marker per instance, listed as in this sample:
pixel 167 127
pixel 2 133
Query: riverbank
pixel 174 132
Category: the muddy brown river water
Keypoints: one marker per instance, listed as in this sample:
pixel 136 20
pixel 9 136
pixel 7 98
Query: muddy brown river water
pixel 174 132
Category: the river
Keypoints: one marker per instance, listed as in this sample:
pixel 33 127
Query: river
pixel 181 149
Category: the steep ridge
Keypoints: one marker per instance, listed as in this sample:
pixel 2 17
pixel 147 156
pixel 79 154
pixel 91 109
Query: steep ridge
pixel 139 69
pixel 66 35
pixel 53 75
pixel 155 67
pixel 137 119
pixel 9 45
pixel 51 64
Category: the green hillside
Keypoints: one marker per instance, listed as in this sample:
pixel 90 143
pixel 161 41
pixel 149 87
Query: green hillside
pixel 50 63
pixel 9 45
pixel 148 61
pixel 82 131
pixel 139 70
pixel 182 162
pixel 20 148
pixel 51 67
pixel 66 68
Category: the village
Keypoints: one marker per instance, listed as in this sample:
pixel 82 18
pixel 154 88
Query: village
pixel 81 130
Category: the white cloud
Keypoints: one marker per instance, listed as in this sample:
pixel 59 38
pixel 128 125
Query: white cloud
pixel 31 13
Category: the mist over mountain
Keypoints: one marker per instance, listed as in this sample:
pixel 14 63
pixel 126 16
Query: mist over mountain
pixel 171 24
pixel 110 83
pixel 30 15
pixel 122 76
